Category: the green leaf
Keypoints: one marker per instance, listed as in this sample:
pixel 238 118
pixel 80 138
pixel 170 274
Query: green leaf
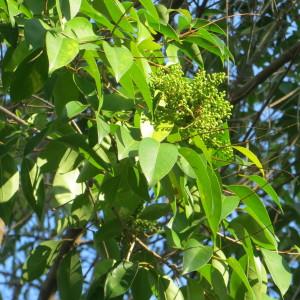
pixel 39 260
pixel 257 277
pixel 87 9
pixel 33 185
pixel 82 209
pixel 251 156
pixel 120 59
pixel 65 187
pixel 140 287
pixel 254 205
pixel 157 131
pixel 61 50
pixel 193 290
pixel 34 33
pixel 126 144
pixel 246 227
pixel 235 265
pixel 229 204
pixel 70 8
pixel 118 14
pixel 195 255
pixel 115 102
pixel 155 211
pixel 9 178
pixel 156 159
pixel 64 91
pixel 78 142
pixel 213 39
pixel 69 277
pixel 279 270
pixel 215 279
pixel 80 29
pixel 267 187
pixel 150 8
pixel 168 290
pixel 208 185
pixel 93 70
pixel 30 76
pixel 103 129
pixel 139 78
pixel 74 108
pixel 58 156
pixel 120 279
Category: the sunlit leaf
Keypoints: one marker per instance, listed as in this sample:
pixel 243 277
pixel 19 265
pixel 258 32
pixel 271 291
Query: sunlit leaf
pixel 61 50
pixel 195 255
pixel 120 59
pixel 156 159
pixel 279 270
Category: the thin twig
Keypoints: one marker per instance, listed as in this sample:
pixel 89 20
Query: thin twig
pixel 13 116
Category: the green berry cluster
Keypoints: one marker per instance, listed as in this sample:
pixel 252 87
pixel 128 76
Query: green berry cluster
pixel 140 226
pixel 195 106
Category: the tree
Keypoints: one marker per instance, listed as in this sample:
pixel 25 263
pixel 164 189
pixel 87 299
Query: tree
pixel 125 167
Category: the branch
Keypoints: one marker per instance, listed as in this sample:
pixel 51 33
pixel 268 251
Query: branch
pixel 245 90
pixel 50 284
pixel 13 116
pixel 201 8
pixel 173 267
pixel 272 91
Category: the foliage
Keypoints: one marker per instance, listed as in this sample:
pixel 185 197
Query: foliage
pixel 118 177
pixel 194 106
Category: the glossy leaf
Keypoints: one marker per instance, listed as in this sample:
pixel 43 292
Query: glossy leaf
pixel 9 178
pixel 267 187
pixel 168 290
pixel 120 279
pixel 61 50
pixel 149 6
pixel 195 255
pixel 81 30
pixel 156 159
pixel 120 59
pixel 235 265
pixel 208 187
pixel 74 108
pixel 252 157
pixel 254 206
pixel 229 204
pixel 279 270
pixel 65 187
pixel 70 8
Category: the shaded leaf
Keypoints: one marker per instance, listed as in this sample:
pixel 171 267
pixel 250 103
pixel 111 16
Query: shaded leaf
pixel 120 279
pixel 235 265
pixel 33 185
pixel 30 76
pixel 69 277
pixel 210 192
pixel 40 259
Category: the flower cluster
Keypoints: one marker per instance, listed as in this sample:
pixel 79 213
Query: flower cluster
pixel 195 106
